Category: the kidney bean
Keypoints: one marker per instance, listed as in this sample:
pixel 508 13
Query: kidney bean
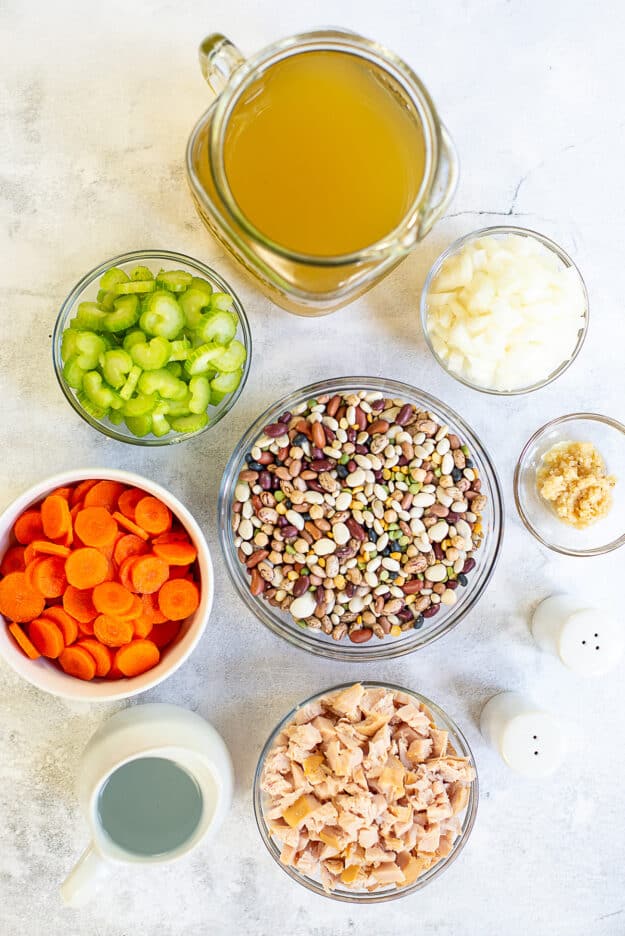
pixel 320 464
pixel 377 406
pixel 362 635
pixel 452 516
pixel 412 586
pixel 361 418
pixel 329 434
pixel 438 551
pixel 256 557
pixel 468 565
pixel 350 589
pixel 431 611
pixel 352 435
pixel 355 529
pixel 405 614
pixel 378 425
pixel 285 418
pixel 274 430
pixel 404 415
pixel 257 584
pixel 301 585
pixel 282 521
pixel 361 449
pixel 352 465
pixel 264 479
pixel 403 461
pixel 316 452
pixel 289 531
pixel 452 583
pixel 333 405
pixel 318 435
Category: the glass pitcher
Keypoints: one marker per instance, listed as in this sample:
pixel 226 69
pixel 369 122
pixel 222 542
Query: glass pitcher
pixel 308 284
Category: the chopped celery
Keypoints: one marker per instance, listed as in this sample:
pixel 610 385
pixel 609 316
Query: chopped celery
pixel 178 407
pixel 162 382
pixel 131 383
pixel 232 358
pixel 192 302
pixel 97 412
pixel 89 315
pixel 140 405
pixel 162 316
pixel 133 338
pixel 222 302
pixel 89 347
pixel 69 343
pixel 160 425
pixel 151 355
pixel 111 278
pixel 141 273
pixel 139 425
pixel 226 383
pixel 179 350
pixel 217 397
pixel 189 423
pixel 135 286
pixel 116 417
pixel 203 285
pixel 73 373
pixel 107 299
pixel 200 360
pixel 99 393
pixel 115 365
pixel 174 280
pixel 175 368
pixel 220 328
pixel 124 314
pixel 200 394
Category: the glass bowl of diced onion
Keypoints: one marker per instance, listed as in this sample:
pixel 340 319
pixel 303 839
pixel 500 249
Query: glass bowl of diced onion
pixel 458 745
pixel 504 310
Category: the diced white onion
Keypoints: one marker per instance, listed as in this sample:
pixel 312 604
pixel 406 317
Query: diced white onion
pixel 505 312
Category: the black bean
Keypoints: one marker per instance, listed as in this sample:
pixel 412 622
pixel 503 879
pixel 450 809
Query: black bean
pixel 373 536
pixel 255 466
pixel 468 463
pixel 456 475
pixel 463 580
pixel 342 471
pixel 419 621
pixel 301 439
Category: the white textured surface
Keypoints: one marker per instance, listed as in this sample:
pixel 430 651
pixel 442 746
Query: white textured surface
pixel 99 98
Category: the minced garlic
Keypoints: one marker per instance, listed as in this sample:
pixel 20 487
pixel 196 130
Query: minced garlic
pixel 573 479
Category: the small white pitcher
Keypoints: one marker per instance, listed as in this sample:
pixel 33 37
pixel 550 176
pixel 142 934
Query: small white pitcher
pixel 148 731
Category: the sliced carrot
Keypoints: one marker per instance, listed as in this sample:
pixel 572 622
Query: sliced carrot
pixel 124 571
pixel 134 612
pixel 153 515
pixel 112 598
pixel 104 494
pixel 151 609
pixel 101 654
pixel 148 574
pixel 178 598
pixel 130 525
pixel 165 632
pixel 30 570
pixel 66 623
pixel 178 553
pixel 23 642
pixel 19 601
pixel 115 672
pixel 49 577
pixel 178 572
pixel 30 553
pixel 80 491
pixel 49 549
pixel 78 662
pixel 47 637
pixel 79 603
pixel 112 631
pixel 129 500
pixel 137 657
pixel 86 567
pixel 13 560
pixel 175 535
pixel 86 628
pixel 128 545
pixel 143 627
pixel 64 492
pixel 55 516
pixel 95 526
pixel 28 527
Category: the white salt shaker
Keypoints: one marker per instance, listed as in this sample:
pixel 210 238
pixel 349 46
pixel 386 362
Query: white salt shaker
pixel 588 641
pixel 529 740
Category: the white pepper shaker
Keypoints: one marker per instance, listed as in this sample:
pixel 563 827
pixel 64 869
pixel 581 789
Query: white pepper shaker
pixel 587 640
pixel 529 740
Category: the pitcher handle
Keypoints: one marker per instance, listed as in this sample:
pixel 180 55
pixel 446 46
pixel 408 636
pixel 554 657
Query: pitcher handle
pixel 85 877
pixel 445 183
pixel 219 58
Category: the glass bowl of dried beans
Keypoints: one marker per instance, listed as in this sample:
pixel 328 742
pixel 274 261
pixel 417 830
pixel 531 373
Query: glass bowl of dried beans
pixel 360 518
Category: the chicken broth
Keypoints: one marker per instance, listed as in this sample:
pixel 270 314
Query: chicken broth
pixel 322 155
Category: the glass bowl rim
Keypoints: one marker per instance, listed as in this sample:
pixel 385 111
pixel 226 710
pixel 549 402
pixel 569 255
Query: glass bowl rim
pixel 87 280
pixel 520 465
pixel 266 614
pixel 495 230
pixel 442 719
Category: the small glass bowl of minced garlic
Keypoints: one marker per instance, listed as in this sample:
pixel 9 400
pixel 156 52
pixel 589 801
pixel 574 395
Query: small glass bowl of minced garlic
pixel 569 484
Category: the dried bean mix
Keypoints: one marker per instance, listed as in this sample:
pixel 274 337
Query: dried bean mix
pixel 358 514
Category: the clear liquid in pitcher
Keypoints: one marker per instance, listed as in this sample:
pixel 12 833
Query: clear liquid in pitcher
pixel 322 155
pixel 150 806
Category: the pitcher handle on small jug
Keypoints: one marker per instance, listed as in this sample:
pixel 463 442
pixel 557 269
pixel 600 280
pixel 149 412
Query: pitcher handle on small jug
pixel 85 878
pixel 445 183
pixel 219 58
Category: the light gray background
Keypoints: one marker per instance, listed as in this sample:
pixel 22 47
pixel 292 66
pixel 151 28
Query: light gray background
pixel 99 98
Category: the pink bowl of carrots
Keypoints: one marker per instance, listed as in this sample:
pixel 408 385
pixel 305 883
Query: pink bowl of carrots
pixel 106 584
